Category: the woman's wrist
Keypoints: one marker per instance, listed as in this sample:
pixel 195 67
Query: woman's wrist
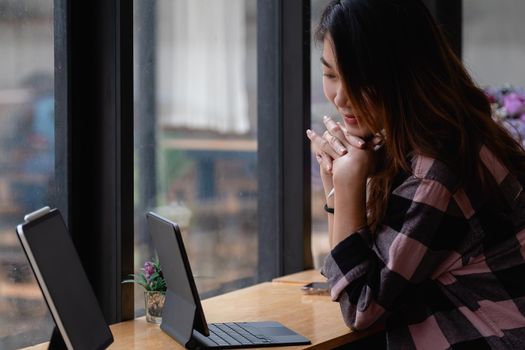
pixel 330 201
pixel 328 186
pixel 327 180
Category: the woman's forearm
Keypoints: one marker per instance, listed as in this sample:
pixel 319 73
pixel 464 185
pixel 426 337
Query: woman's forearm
pixel 330 204
pixel 350 210
pixel 328 186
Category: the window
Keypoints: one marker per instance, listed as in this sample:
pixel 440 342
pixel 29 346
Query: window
pixel 217 149
pixel 196 134
pixel 27 165
pixel 493 47
pixel 320 107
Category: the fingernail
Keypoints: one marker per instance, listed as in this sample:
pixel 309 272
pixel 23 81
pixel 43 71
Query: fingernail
pixel 325 117
pixel 343 150
pixel 361 143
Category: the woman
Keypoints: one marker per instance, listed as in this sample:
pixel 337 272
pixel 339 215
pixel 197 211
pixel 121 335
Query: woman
pixel 427 219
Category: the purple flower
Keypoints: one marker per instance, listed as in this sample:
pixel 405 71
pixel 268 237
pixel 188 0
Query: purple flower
pixel 514 103
pixel 491 94
pixel 149 269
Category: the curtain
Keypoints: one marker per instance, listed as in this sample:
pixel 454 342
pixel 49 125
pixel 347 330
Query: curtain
pixel 208 81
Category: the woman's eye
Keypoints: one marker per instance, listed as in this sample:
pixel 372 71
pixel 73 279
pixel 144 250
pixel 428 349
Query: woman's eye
pixel 329 75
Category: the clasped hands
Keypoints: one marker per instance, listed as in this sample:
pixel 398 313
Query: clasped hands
pixel 343 157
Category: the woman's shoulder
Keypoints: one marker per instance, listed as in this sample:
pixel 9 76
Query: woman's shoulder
pixel 430 180
pixel 425 168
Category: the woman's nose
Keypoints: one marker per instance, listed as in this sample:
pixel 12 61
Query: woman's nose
pixel 341 99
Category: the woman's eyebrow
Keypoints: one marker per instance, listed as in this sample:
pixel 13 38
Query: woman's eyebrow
pixel 323 61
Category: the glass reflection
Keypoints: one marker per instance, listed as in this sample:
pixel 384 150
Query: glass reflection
pixel 27 149
pixel 195 134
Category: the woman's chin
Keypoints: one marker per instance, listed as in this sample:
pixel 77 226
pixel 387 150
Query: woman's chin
pixel 357 131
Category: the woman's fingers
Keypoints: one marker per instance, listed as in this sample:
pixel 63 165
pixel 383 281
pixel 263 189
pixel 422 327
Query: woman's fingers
pixel 324 159
pixel 326 163
pixel 335 130
pixel 352 140
pixel 377 142
pixel 335 143
pixel 321 144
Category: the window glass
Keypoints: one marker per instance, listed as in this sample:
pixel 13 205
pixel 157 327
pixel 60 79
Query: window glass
pixel 493 48
pixel 320 107
pixel 27 149
pixel 494 53
pixel 195 134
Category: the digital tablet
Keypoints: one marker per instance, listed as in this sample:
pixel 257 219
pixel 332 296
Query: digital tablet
pixel 183 317
pixel 63 281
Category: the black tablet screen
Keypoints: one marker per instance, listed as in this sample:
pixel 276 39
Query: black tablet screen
pixel 69 294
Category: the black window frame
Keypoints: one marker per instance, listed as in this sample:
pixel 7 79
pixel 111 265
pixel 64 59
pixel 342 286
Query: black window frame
pixel 94 152
pixel 283 53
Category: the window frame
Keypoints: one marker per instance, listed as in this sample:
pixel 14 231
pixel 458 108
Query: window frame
pixel 94 123
pixel 94 83
pixel 284 194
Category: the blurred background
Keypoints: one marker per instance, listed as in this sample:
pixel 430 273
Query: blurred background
pixel 195 133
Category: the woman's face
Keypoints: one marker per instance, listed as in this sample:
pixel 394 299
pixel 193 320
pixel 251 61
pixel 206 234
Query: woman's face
pixel 335 92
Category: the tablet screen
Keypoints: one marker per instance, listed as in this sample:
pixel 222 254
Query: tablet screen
pixel 65 286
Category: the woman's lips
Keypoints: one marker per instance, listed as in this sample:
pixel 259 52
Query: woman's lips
pixel 350 119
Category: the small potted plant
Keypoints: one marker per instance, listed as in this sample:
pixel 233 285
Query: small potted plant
pixel 152 280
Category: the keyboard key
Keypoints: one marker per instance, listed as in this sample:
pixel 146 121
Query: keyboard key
pixel 235 334
pixel 217 340
pixel 229 340
pixel 240 334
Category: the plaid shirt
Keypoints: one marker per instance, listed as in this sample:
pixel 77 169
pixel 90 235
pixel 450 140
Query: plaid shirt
pixel 447 269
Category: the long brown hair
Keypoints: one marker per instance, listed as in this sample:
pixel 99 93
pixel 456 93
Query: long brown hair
pixel 404 80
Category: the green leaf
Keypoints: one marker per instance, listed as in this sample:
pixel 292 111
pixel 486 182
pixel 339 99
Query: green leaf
pixel 129 281
pixel 156 281
pixel 143 279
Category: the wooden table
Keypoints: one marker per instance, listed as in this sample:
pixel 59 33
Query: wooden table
pixel 315 317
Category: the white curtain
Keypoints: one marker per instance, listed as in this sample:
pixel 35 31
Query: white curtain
pixel 208 77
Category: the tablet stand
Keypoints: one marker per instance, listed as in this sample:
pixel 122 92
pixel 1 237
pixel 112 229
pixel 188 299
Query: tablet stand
pixel 56 342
